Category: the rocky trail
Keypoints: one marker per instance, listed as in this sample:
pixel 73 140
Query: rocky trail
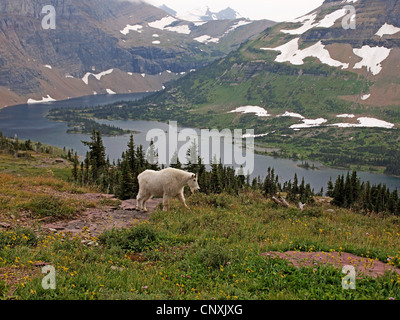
pixel 93 221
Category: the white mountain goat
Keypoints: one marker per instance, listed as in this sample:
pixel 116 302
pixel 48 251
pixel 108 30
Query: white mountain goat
pixel 168 183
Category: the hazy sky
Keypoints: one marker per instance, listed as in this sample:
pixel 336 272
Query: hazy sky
pixel 278 10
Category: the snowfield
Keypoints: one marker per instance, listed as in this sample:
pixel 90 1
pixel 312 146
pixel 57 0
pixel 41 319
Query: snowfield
pixel 365 97
pixel 239 24
pixel 98 76
pixel 290 52
pixel 372 57
pixel 184 29
pixel 206 39
pixel 309 22
pixel 128 28
pixel 309 123
pixel 366 122
pixel 45 99
pixel 387 29
pixel 163 24
pixel 259 111
pixel 291 114
pixel 363 122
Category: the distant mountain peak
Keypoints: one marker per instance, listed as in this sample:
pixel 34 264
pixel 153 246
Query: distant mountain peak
pixel 206 14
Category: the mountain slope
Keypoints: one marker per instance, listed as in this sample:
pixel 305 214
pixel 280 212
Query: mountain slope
pixel 325 92
pixel 116 46
pixel 370 54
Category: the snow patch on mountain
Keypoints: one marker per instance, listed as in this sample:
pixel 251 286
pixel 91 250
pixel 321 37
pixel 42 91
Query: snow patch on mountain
pixel 387 29
pixel 372 57
pixel 45 99
pixel 330 19
pixel 165 25
pixel 365 97
pixel 98 76
pixel 206 39
pixel 162 23
pixel 365 122
pixel 291 114
pixel 259 111
pixel 238 24
pixel 309 22
pixel 309 123
pixel 345 115
pixel 290 52
pixel 128 28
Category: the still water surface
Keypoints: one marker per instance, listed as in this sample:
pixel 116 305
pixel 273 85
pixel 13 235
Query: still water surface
pixel 30 122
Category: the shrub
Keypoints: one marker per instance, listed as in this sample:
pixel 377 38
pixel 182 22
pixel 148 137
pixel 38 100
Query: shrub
pixel 49 206
pixel 137 239
pixel 214 255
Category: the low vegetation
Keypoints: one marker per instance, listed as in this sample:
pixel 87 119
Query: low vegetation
pixel 212 251
pixel 246 77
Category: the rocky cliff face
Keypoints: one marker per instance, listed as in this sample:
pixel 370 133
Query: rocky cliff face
pixel 142 45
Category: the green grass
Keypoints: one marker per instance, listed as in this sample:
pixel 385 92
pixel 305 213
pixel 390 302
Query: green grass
pixel 210 252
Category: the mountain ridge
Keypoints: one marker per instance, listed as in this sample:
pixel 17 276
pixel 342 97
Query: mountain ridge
pixel 142 45
pixel 326 93
pixel 205 14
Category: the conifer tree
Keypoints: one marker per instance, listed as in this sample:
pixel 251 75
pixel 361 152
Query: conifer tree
pixel 97 155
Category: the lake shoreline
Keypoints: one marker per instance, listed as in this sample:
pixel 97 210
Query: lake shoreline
pixel 30 122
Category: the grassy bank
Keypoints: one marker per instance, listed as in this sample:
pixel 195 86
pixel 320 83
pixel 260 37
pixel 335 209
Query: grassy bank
pixel 212 251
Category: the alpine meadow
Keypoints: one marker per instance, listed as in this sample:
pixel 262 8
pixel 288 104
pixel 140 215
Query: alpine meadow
pixel 86 214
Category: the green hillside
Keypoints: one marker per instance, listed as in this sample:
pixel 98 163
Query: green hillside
pixel 226 247
pixel 251 77
pixel 312 74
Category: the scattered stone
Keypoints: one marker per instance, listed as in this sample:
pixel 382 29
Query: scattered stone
pixel 117 268
pixel 5 225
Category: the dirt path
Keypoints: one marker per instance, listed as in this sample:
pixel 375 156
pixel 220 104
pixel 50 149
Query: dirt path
pixel 96 220
pixel 366 266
